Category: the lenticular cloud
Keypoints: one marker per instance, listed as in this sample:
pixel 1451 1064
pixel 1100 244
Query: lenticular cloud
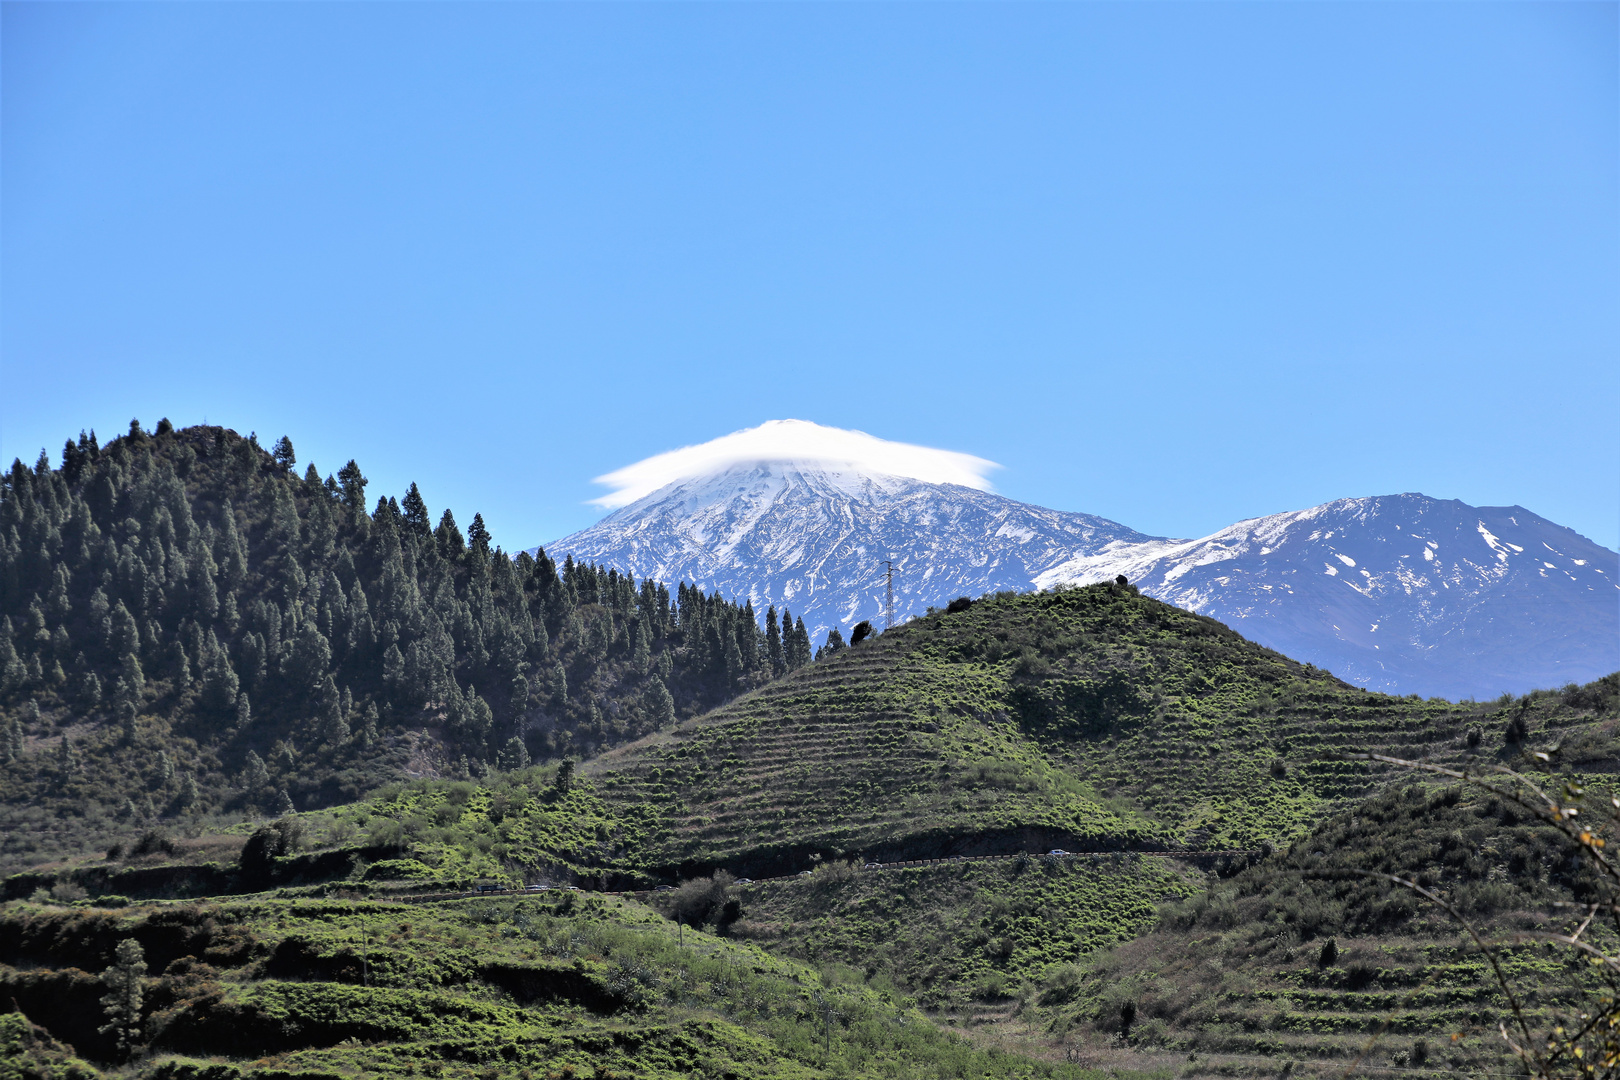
pixel 797 442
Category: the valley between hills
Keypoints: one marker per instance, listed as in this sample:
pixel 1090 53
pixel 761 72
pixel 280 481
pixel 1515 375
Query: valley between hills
pixel 295 785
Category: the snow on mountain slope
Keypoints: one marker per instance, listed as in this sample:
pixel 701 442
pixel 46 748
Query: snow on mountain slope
pixel 814 538
pixel 1401 593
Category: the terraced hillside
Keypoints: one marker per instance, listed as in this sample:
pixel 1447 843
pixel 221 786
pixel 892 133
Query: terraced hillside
pixel 963 937
pixel 1305 956
pixel 1091 718
pixel 542 986
pixel 1295 961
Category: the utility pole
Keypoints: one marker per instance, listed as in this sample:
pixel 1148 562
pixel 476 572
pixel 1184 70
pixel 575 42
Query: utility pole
pixel 888 603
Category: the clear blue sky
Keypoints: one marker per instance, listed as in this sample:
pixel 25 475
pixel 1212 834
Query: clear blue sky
pixel 1175 265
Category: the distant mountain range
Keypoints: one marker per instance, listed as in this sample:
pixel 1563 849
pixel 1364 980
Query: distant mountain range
pixel 1400 593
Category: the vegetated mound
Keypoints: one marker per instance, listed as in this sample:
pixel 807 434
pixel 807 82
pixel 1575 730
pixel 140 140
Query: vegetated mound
pixel 1090 718
pixel 190 633
pixel 1309 954
pixel 978 768
pixel 962 936
pixel 554 984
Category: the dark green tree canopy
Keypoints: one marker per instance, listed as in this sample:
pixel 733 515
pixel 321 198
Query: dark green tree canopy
pixel 151 587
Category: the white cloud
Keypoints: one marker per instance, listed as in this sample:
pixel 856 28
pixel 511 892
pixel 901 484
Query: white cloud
pixel 797 442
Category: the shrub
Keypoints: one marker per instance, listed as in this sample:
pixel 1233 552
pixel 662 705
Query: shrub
pixel 65 892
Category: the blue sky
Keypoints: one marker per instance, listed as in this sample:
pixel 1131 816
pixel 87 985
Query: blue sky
pixel 1172 264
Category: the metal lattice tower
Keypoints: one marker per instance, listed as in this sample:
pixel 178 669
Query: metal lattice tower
pixel 888 602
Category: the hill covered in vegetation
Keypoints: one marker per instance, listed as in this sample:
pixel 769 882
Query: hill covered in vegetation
pixel 1088 719
pixel 190 631
pixel 557 985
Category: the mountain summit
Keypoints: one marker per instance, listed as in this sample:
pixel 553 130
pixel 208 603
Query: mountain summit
pixel 795 444
pixel 1402 593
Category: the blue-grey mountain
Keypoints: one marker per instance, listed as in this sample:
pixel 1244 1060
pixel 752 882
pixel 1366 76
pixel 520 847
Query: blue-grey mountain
pixel 1402 593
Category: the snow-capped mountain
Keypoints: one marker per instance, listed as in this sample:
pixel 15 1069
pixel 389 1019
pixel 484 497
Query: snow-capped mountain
pixel 1401 593
pixel 815 538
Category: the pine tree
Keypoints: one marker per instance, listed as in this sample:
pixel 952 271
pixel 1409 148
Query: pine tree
pixel 835 643
pixel 219 685
pixel 514 755
pixel 12 671
pixel 368 728
pixel 121 1004
pixel 283 454
pixel 255 777
pixel 329 711
pixel 353 485
pixel 89 690
pixel 232 555
pixel 659 705
pixel 520 694
pixel 797 646
pixel 125 714
pixel 413 510
pixel 641 654
pixel 478 536
pixel 131 678
pixel 559 684
pixel 451 543
pixel 732 659
pixel 126 636
pixel 393 671
pixel 477 721
pixel 67 757
pixel 773 643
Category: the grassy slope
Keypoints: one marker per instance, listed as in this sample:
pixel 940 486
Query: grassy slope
pixel 537 986
pixel 959 933
pixel 1241 967
pixel 1093 718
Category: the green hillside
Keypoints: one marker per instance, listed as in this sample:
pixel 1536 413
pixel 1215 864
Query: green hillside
pixel 1089 719
pixel 554 985
pixel 1302 956
pixel 191 634
pixel 966 936
pixel 1233 974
